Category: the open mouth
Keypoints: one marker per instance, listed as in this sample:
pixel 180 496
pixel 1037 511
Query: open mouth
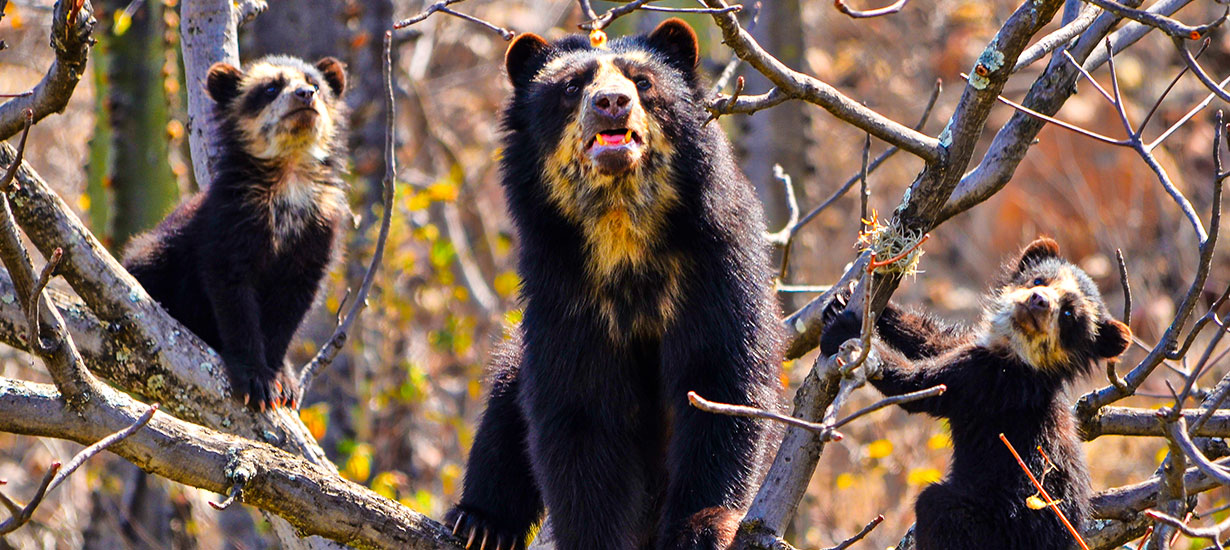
pixel 613 139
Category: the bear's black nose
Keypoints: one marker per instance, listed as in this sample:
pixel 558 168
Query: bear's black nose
pixel 612 104
pixel 305 94
pixel 1039 302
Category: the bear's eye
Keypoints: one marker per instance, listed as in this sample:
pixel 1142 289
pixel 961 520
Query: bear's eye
pixel 271 90
pixel 1039 281
pixel 643 83
pixel 571 89
pixel 1067 311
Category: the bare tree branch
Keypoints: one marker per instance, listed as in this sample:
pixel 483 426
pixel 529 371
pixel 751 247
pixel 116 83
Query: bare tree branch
pixel 864 14
pixel 57 474
pixel 798 85
pixel 329 350
pixel 311 496
pixel 71 37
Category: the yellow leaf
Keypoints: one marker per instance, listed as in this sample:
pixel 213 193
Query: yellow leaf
pixel 14 16
pixel 1161 454
pixel 449 476
pixel 443 191
pixel 880 448
pixel 418 202
pixel 506 283
pixel 83 201
pixel 123 20
pixel 939 441
pixel 923 476
pixel 1034 502
pixel 359 466
pixel 845 481
pixel 316 418
pixel 385 484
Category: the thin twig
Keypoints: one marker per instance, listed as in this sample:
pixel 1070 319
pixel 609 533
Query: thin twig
pixel 1160 22
pixel 864 14
pixel 792 204
pixel 1140 129
pixel 1111 375
pixel 861 534
pixel 57 473
pixel 602 21
pixel 894 400
pixel 1045 496
pixel 819 427
pixel 32 314
pixel 443 7
pixel 1213 533
pixel 334 344
pixel 728 72
pixel 864 191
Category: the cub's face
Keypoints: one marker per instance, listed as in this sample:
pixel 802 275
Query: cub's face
pixel 600 113
pixel 1051 314
pixel 281 106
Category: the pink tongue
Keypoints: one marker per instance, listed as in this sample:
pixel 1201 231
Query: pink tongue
pixel 612 139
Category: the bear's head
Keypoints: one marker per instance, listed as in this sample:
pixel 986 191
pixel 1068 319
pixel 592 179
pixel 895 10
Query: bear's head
pixel 1050 314
pixel 281 107
pixel 605 120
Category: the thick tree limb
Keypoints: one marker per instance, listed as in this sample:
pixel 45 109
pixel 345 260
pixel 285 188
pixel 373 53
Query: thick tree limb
pixel 1126 421
pixel 311 496
pixel 71 40
pixel 209 31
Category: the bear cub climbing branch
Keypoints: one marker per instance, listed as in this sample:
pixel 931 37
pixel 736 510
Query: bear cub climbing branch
pixel 1045 326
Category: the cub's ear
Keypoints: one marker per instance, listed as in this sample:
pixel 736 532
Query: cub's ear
pixel 335 74
pixel 222 82
pixel 1113 338
pixel 1041 249
pixel 676 39
pixel 524 57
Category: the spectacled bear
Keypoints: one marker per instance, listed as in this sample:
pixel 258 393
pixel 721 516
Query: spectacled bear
pixel 645 275
pixel 239 264
pixel 1045 325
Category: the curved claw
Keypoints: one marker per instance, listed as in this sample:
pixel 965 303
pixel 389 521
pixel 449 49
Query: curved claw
pixel 483 545
pixel 457 524
pixel 470 540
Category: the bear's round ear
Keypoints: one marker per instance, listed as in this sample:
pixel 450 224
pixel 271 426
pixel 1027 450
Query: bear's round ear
pixel 676 39
pixel 222 82
pixel 524 57
pixel 334 72
pixel 1041 249
pixel 1113 338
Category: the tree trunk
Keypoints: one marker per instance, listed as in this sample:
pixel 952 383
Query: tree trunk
pixel 144 187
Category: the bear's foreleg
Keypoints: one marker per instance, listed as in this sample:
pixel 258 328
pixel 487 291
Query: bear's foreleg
pixel 500 501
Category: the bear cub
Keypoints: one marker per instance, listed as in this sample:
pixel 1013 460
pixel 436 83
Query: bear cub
pixel 645 276
pixel 239 264
pixel 1045 325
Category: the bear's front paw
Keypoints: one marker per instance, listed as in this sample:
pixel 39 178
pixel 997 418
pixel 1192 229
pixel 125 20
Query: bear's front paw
pixel 477 532
pixel 258 386
pixel 290 391
pixel 845 326
pixel 838 304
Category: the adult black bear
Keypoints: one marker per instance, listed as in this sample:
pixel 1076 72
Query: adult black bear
pixel 645 276
pixel 1045 326
pixel 240 263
